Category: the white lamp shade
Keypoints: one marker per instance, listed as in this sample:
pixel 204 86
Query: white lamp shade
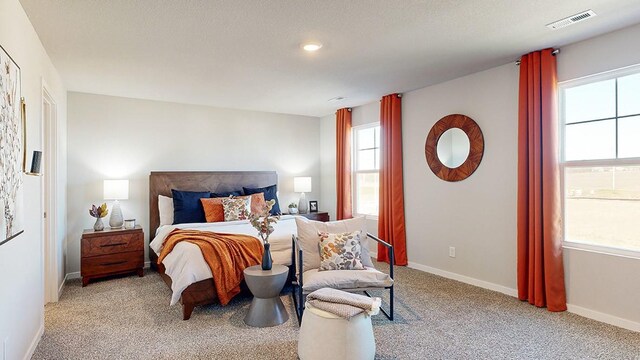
pixel 302 184
pixel 116 189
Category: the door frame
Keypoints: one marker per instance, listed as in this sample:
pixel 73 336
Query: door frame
pixel 49 121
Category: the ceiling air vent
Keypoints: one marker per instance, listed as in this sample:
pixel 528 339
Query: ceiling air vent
pixel 571 20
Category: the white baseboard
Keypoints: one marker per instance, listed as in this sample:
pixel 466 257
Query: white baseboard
pixel 605 318
pixel 72 275
pixel 575 309
pixel 34 342
pixel 465 279
pixel 64 281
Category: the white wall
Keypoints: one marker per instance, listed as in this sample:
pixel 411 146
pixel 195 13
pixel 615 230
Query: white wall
pixel 21 259
pixel 478 215
pixel 328 165
pixel 113 137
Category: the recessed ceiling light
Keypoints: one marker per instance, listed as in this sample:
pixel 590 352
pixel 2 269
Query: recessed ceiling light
pixel 311 47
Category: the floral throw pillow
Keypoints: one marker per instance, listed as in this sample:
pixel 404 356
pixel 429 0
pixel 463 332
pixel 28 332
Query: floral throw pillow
pixel 340 251
pixel 236 208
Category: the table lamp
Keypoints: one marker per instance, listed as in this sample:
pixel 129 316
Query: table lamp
pixel 116 190
pixel 302 184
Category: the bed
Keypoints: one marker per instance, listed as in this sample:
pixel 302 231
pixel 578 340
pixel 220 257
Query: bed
pixel 184 270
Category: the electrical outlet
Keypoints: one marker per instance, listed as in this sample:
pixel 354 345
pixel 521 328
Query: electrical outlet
pixel 452 251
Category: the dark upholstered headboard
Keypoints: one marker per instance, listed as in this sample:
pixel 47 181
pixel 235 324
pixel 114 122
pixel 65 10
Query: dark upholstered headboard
pixel 161 183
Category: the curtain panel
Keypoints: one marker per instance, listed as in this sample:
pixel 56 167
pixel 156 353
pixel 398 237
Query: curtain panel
pixel 540 265
pixel 391 221
pixel 343 164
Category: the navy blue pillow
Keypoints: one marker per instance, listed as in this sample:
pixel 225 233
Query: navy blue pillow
pixel 187 207
pixel 270 192
pixel 226 194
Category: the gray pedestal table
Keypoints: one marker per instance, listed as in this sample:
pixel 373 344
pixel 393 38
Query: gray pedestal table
pixel 266 308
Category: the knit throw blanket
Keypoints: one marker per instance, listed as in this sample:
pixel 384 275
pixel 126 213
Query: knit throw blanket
pixel 343 304
pixel 226 254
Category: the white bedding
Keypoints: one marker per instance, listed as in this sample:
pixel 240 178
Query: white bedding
pixel 185 265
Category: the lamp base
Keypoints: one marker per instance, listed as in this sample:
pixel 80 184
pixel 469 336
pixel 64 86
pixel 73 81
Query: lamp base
pixel 303 206
pixel 116 221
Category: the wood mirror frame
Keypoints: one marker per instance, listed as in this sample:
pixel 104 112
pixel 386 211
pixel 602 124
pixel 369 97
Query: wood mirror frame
pixel 476 147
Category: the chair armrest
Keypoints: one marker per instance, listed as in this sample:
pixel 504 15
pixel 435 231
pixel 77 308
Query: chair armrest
pixel 380 241
pixel 389 247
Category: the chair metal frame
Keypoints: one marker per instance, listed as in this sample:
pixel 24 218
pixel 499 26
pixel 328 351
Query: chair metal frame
pixel 299 297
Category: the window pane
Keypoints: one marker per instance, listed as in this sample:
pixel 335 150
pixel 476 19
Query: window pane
pixel 366 160
pixel 629 137
pixel 629 95
pixel 377 136
pixel 377 159
pixel 602 206
pixel 594 140
pixel 367 194
pixel 590 102
pixel 366 138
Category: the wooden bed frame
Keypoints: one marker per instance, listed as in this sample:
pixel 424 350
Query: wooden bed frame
pixel 160 183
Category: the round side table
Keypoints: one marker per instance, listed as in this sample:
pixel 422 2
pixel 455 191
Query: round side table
pixel 266 308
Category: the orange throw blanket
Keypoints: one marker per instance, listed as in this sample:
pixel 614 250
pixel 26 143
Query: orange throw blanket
pixel 226 254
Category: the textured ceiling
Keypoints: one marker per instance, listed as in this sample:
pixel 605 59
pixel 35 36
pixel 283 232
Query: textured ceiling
pixel 246 54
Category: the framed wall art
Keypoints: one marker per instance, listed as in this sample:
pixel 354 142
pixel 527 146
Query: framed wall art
pixel 11 149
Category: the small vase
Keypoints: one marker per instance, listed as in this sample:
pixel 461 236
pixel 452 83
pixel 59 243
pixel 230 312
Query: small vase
pixel 98 226
pixel 267 263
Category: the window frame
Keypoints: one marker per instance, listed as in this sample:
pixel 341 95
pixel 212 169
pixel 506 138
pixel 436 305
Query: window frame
pixel 610 162
pixel 354 167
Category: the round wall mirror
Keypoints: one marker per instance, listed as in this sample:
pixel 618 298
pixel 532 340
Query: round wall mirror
pixel 454 147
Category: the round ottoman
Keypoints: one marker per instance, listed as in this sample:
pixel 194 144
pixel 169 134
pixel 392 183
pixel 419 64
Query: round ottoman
pixel 326 336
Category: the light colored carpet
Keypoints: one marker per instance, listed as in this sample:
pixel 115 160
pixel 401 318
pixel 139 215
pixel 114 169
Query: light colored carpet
pixel 437 318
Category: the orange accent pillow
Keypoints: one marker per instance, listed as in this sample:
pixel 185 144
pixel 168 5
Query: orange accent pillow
pixel 257 202
pixel 214 211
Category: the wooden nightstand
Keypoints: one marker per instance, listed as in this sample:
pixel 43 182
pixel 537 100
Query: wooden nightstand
pixel 317 216
pixel 111 252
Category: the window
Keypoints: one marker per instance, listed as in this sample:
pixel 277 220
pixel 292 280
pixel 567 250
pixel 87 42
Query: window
pixel 600 119
pixel 366 167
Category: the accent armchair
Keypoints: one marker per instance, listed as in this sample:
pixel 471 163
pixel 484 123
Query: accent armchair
pixel 306 281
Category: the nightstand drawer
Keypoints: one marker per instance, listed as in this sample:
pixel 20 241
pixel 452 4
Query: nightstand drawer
pixel 112 244
pixel 114 263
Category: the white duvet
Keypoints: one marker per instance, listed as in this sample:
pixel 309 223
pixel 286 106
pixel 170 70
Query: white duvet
pixel 185 265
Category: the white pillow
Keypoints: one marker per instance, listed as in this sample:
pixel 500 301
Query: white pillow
pixel 308 238
pixel 165 208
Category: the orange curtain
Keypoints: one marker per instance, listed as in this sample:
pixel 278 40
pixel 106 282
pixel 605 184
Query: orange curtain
pixel 540 267
pixel 343 163
pixel 391 227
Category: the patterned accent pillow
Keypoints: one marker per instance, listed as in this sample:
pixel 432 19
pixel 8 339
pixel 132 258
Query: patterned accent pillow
pixel 236 208
pixel 340 251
